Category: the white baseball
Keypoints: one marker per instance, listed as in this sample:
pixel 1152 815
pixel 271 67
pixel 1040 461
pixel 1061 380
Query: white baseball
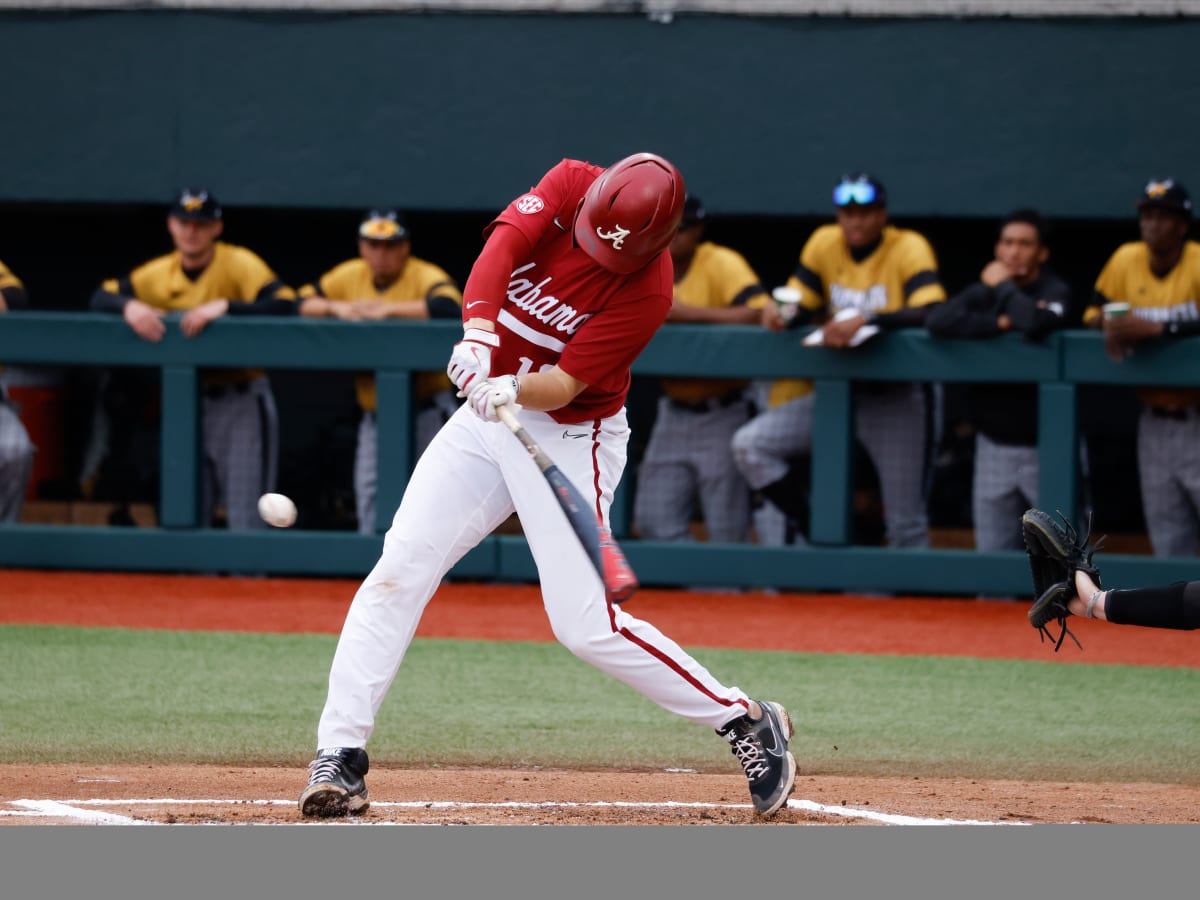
pixel 277 510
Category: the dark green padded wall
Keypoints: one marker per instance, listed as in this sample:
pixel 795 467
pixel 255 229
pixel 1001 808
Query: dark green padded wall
pixel 459 112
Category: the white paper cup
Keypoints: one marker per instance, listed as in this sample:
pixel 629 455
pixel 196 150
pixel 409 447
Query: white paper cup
pixel 787 300
pixel 1115 310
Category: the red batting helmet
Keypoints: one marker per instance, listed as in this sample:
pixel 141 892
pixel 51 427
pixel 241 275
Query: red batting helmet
pixel 630 213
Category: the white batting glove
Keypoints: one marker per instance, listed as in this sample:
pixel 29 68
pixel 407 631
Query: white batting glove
pixel 490 393
pixel 471 359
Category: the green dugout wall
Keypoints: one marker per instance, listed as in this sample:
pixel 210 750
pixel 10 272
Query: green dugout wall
pixel 460 111
pixel 453 114
pixel 1065 361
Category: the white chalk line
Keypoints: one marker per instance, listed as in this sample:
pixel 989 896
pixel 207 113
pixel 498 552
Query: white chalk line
pixel 71 809
pixel 67 809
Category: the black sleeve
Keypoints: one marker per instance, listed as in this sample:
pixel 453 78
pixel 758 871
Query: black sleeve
pixel 748 293
pixel 15 297
pixel 106 301
pixel 442 307
pixel 1187 328
pixel 803 317
pixel 810 279
pixel 1036 314
pixel 909 317
pixel 1098 300
pixel 267 303
pixel 971 313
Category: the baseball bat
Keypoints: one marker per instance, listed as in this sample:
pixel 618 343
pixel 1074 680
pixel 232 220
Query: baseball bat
pixel 601 547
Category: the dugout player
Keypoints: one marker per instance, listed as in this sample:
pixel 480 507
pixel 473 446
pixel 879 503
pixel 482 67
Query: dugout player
pixel 688 460
pixel 1016 293
pixel 1159 277
pixel 386 282
pixel 571 285
pixel 874 273
pixel 16 449
pixel 202 280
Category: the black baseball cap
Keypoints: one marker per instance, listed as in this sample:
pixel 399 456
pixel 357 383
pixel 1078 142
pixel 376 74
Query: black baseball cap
pixel 383 225
pixel 1165 193
pixel 196 204
pixel 694 212
pixel 859 189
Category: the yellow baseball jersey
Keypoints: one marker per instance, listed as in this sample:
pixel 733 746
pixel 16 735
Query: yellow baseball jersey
pixel 353 280
pixel 718 277
pixel 235 274
pixel 901 272
pixel 1127 278
pixel 7 278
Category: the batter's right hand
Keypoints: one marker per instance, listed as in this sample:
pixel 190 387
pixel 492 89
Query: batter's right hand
pixel 145 320
pixel 472 358
pixel 489 393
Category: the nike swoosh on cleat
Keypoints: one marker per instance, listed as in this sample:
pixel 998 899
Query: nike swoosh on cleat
pixel 776 748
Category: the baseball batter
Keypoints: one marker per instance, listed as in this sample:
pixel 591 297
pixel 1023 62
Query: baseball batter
pixel 386 282
pixel 571 285
pixel 1159 278
pixel 859 271
pixel 16 449
pixel 688 460
pixel 204 279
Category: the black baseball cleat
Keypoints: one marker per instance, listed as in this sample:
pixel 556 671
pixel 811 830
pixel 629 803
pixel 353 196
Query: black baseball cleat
pixel 335 783
pixel 762 749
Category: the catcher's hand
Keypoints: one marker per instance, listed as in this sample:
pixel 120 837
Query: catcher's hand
pixel 1055 553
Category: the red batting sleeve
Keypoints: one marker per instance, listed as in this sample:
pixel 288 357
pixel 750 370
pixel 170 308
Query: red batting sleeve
pixel 488 282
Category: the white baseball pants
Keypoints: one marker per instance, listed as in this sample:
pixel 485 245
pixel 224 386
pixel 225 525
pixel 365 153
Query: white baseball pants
pixel 471 478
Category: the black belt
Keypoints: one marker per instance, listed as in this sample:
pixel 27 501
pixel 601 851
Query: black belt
pixel 1178 413
pixel 216 391
pixel 703 406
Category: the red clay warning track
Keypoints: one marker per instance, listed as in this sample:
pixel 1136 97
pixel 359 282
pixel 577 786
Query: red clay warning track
pixel 816 623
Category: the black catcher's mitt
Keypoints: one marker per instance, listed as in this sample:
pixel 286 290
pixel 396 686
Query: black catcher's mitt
pixel 1056 553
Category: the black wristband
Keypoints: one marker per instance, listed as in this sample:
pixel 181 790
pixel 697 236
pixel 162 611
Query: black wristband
pixel 1181 328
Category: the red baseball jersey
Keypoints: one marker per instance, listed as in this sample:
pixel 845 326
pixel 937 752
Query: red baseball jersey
pixel 562 308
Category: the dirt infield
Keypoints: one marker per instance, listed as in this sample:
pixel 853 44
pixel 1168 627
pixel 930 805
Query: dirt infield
pixel 194 795
pixel 88 794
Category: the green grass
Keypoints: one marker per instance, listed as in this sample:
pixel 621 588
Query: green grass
pixel 111 695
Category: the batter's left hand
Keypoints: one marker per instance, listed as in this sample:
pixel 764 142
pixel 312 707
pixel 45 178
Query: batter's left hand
pixel 490 393
pixel 197 317
pixel 471 359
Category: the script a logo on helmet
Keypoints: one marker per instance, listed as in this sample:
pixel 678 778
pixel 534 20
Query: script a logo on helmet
pixel 617 236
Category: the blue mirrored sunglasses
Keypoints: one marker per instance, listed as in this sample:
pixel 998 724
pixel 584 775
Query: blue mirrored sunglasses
pixel 860 192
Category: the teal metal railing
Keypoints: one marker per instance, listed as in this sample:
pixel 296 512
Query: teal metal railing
pixel 396 349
